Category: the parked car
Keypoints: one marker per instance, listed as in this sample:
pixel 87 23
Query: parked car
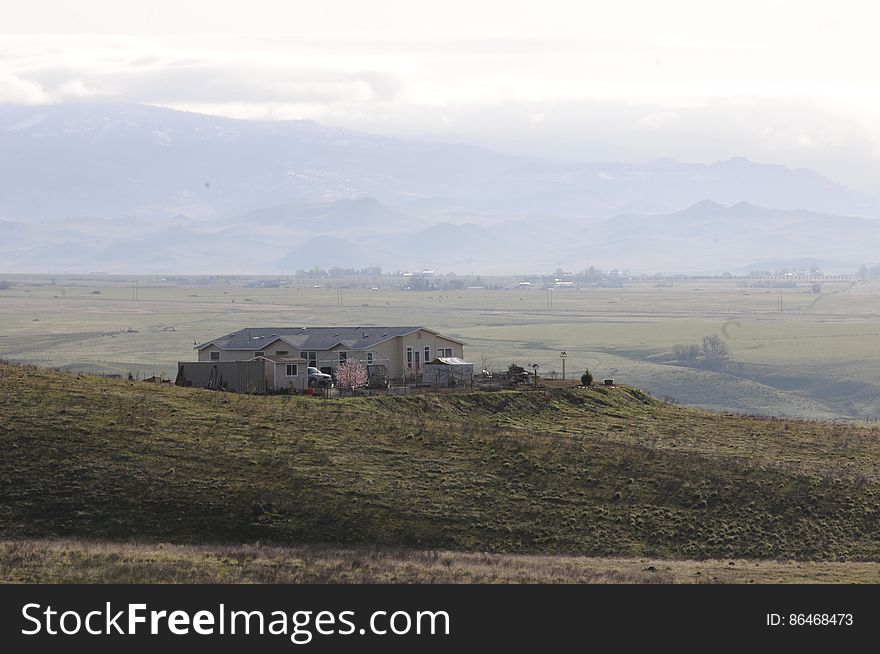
pixel 318 378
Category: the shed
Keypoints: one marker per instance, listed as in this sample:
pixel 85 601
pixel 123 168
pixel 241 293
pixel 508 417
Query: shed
pixel 285 373
pixel 447 371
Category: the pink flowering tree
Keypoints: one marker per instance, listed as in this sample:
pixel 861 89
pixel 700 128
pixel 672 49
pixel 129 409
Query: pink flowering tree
pixel 351 374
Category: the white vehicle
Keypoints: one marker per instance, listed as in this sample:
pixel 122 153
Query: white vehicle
pixel 318 378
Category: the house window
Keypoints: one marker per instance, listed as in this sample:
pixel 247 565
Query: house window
pixel 282 353
pixel 215 356
pixel 427 354
pixel 291 370
pixel 409 357
pixel 444 351
pixel 311 357
pixel 343 357
pixel 259 354
pixel 371 358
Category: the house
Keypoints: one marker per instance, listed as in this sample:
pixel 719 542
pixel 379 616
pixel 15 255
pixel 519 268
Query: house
pixel 393 352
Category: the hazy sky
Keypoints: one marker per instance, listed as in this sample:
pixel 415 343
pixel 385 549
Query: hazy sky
pixel 787 82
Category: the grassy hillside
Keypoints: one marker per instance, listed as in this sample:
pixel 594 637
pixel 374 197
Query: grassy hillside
pixel 600 472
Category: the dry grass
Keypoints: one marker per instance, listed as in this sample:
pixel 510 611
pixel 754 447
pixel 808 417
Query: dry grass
pixel 74 561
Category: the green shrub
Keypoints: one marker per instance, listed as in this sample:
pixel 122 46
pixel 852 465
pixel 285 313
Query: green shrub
pixel 587 378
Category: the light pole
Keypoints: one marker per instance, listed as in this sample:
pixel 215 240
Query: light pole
pixel 535 368
pixel 562 356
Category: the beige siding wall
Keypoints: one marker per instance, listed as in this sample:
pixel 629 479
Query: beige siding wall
pixel 280 348
pixel 281 379
pixel 205 355
pixel 330 358
pixel 388 354
pixel 419 341
pixel 392 353
pixel 272 348
pixel 228 355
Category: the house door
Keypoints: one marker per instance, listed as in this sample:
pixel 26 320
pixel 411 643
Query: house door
pixel 416 362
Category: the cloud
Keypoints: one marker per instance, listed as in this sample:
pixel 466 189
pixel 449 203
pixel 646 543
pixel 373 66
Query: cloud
pixel 394 67
pixel 15 90
pixel 213 70
pixel 566 96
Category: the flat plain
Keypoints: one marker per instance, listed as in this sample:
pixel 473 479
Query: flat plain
pixel 815 356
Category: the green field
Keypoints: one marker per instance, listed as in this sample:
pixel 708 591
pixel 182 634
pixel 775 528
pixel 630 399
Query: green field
pixel 817 359
pixel 600 472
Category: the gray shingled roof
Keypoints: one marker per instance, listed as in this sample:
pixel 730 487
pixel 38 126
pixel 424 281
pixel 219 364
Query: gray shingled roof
pixel 311 338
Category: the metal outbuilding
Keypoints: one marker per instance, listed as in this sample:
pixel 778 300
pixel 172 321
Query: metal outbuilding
pixel 447 371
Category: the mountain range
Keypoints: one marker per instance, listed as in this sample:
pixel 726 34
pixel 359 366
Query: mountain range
pixel 132 188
